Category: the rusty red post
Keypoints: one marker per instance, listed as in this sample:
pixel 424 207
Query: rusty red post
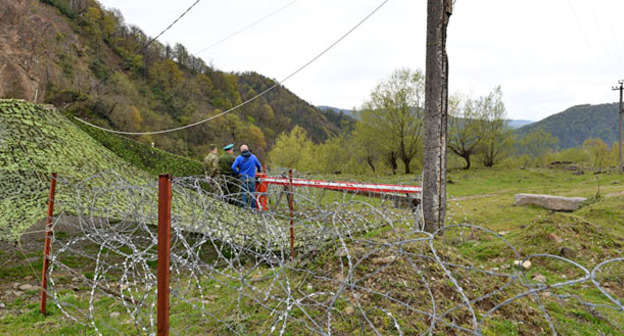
pixel 47 245
pixel 164 246
pixel 291 206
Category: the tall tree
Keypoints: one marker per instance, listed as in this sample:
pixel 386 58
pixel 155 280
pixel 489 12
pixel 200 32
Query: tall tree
pixel 538 143
pixel 597 150
pixel 365 146
pixel 436 108
pixel 393 116
pixel 497 136
pixel 293 150
pixel 465 128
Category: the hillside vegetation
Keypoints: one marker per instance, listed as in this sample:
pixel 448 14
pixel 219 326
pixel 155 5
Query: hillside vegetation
pixel 579 123
pixel 80 57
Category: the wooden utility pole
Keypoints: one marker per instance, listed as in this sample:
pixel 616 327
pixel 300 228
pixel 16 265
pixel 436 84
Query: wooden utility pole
pixel 436 109
pixel 621 87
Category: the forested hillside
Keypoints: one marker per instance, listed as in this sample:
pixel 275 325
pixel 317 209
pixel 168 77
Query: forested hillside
pixel 578 123
pixel 87 61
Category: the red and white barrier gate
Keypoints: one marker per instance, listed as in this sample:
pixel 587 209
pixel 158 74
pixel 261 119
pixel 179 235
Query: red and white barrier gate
pixel 373 189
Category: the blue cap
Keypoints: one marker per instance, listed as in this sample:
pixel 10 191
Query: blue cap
pixel 228 147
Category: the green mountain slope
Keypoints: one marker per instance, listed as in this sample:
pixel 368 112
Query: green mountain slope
pixel 86 60
pixel 578 123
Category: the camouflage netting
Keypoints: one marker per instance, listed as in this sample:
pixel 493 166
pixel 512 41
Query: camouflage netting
pixel 35 141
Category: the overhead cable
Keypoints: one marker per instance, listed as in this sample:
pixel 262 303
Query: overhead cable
pixel 246 27
pixel 585 36
pixel 147 44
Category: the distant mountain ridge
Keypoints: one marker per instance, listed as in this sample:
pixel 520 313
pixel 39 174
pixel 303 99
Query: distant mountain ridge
pixel 353 114
pixel 579 123
pixel 350 113
pixel 516 123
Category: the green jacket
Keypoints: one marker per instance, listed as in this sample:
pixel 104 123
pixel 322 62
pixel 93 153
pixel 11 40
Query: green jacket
pixel 225 164
pixel 211 165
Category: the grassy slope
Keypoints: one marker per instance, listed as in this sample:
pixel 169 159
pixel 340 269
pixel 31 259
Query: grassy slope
pixel 152 160
pixel 594 233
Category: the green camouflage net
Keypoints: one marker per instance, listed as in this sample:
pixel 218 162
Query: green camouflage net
pixel 35 141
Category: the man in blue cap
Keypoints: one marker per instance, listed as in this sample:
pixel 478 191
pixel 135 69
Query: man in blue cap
pixel 230 179
pixel 246 165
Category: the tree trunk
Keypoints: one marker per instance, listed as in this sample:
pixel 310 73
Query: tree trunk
pixel 391 160
pixel 406 162
pixel 369 160
pixel 436 108
pixel 467 159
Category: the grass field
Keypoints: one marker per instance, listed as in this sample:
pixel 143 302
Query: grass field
pixel 482 197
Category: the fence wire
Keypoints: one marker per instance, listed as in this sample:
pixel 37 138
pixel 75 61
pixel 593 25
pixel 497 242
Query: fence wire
pixel 362 267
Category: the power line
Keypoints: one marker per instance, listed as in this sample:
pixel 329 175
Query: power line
pixel 585 36
pixel 602 37
pixel 146 45
pixel 246 27
pixel 252 98
pixel 613 34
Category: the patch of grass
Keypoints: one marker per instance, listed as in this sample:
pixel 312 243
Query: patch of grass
pixel 20 270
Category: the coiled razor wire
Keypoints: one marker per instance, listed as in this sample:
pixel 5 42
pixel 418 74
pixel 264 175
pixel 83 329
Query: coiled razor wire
pixel 361 268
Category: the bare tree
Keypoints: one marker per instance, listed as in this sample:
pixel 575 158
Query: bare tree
pixel 436 108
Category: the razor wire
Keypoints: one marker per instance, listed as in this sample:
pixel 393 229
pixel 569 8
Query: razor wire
pixel 361 267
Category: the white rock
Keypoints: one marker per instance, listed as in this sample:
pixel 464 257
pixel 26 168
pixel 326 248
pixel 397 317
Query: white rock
pixel 556 203
pixel 114 315
pixel 539 278
pixel 26 287
pixel 526 264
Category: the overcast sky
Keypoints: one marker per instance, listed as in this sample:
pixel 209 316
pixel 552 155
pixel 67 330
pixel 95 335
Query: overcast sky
pixel 547 55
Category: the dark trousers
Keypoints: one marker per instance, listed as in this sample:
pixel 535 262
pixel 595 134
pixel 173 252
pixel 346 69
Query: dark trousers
pixel 249 189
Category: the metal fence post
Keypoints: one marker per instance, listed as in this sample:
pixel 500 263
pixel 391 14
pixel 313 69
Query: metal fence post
pixel 47 245
pixel 291 207
pixel 164 246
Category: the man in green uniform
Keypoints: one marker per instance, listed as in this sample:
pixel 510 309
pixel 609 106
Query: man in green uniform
pixel 211 167
pixel 230 183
